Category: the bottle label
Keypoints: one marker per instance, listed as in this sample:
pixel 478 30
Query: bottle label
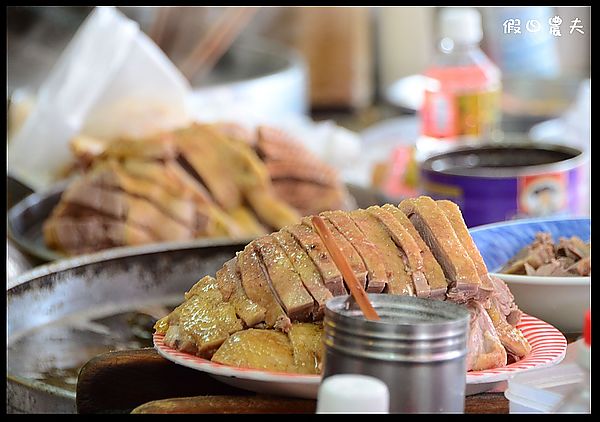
pixel 472 114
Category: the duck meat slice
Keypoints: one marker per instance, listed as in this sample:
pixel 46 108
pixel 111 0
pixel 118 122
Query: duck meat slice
pixel 93 232
pixel 410 248
pixel 111 176
pixel 573 247
pixel 258 289
pixel 306 269
pixel 453 214
pixel 202 157
pixel 583 267
pixel 204 317
pixel 399 281
pixel 267 350
pixel 433 271
pixel 317 251
pixel 229 282
pixel 356 263
pixel 292 168
pixel 284 281
pixel 122 206
pixel 484 348
pixel 307 346
pixel 309 198
pixel 435 229
pixel 376 272
pixel 511 337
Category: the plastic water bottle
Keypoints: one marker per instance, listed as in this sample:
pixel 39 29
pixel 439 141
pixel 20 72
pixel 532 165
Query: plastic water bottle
pixel 579 400
pixel 461 102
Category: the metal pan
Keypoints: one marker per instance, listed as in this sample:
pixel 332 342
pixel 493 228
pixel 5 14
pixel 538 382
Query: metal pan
pixel 62 314
pixel 25 219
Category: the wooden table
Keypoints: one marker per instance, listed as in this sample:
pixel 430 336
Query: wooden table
pixel 119 382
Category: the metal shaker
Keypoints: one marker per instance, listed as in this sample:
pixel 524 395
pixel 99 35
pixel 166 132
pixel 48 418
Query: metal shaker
pixel 418 349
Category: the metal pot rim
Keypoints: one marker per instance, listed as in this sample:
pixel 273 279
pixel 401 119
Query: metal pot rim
pixel 116 253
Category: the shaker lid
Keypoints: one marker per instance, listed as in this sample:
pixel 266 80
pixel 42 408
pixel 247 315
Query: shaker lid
pixel 587 328
pixel 353 393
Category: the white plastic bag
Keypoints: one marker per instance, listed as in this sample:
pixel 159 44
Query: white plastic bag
pixel 111 80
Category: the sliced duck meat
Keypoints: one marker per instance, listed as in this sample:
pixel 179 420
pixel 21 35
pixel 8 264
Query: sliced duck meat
pixel 432 269
pixel 271 210
pixel 532 256
pixel 511 338
pixel 307 345
pixel 249 177
pixel 543 258
pixel 257 288
pixel 573 247
pixel 315 172
pixel 198 152
pixel 435 229
pixel 158 147
pixel 317 251
pixel 309 198
pixel 506 301
pixel 229 283
pixel 356 263
pixel 110 175
pixel 484 348
pixel 204 317
pixel 453 214
pixel 377 277
pixel 72 235
pixel 178 176
pixel 236 131
pixel 583 267
pixel 275 144
pixel 306 269
pixel 411 251
pixel 122 206
pixel 399 281
pixel 285 282
pixel 247 221
pixel 267 350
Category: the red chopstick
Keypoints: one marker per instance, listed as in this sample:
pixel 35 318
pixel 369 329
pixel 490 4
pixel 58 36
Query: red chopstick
pixel 356 289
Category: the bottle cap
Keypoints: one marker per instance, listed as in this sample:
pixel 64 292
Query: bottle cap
pixel 353 393
pixel 587 328
pixel 461 24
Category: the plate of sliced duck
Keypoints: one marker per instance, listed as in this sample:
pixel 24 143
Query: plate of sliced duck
pixel 205 181
pixel 257 323
pixel 548 347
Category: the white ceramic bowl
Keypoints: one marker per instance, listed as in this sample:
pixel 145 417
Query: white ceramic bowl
pixel 560 301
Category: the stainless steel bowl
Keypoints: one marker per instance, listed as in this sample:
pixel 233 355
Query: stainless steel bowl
pixel 60 315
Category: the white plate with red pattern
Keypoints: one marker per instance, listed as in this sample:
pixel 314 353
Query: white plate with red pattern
pixel 548 348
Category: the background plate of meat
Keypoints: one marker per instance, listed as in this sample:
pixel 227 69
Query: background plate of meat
pixel 548 348
pixel 552 292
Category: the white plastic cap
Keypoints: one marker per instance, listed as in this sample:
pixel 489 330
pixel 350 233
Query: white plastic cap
pixel 352 393
pixel 461 24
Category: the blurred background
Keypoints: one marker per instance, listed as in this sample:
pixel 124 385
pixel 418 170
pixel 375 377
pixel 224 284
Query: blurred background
pixel 353 54
pixel 359 67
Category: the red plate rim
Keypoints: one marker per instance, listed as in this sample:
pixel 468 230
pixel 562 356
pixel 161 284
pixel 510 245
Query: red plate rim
pixel 548 347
